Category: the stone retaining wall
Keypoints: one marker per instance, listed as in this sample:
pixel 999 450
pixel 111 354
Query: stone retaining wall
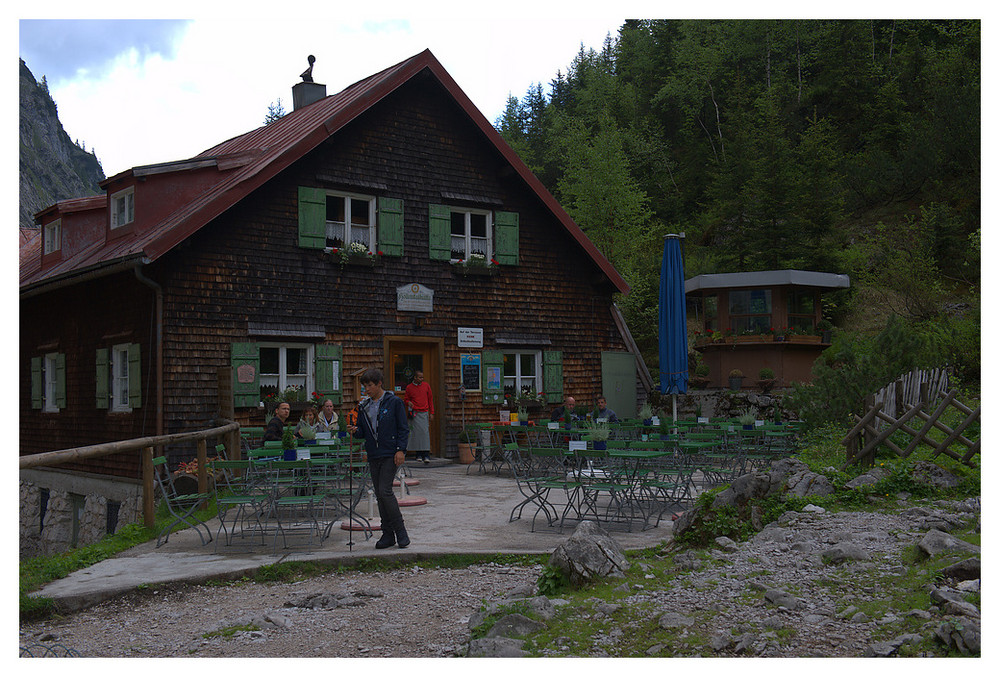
pixel 57 531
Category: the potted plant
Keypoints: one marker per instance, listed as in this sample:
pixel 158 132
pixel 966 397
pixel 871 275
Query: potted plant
pixel 735 379
pixel 766 379
pixel 522 415
pixel 748 418
pixel 466 447
pixel 288 444
pixel 599 434
pixel 700 379
pixel 825 329
pixel 646 413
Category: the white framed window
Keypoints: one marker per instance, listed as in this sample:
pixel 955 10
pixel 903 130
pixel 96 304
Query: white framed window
pixel 471 234
pixel 123 207
pixel 522 372
pixel 119 378
pixel 287 365
pixel 50 382
pixel 52 237
pixel 350 218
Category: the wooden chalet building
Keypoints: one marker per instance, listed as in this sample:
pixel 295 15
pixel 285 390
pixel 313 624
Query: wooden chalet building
pixel 752 320
pixel 339 237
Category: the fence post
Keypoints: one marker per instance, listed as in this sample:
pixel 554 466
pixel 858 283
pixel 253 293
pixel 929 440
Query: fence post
pixel 148 501
pixel 228 411
pixel 202 468
pixel 900 396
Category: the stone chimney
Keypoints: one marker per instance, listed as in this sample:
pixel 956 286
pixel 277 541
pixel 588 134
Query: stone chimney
pixel 307 91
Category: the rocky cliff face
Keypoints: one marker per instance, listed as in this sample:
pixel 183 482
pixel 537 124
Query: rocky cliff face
pixel 53 168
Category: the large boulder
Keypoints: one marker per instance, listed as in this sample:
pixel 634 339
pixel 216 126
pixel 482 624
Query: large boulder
pixel 934 475
pixel 966 570
pixel 589 554
pixel 936 542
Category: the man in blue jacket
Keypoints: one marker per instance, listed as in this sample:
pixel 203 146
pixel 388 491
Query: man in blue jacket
pixel 382 425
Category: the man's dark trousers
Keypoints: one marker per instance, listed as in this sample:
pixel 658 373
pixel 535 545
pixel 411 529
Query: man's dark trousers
pixel 383 470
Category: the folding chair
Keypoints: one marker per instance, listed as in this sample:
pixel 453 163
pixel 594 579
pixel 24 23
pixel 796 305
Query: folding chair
pixel 296 502
pixel 236 491
pixel 551 485
pixel 181 506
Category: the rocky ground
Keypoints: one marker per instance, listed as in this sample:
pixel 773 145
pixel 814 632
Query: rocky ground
pixel 810 584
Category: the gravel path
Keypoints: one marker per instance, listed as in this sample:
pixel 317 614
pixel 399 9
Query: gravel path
pixel 411 612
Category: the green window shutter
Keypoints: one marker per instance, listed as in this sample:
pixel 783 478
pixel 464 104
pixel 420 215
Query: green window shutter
pixel 505 228
pixel 552 375
pixel 245 361
pixel 390 226
pixel 101 378
pixel 492 359
pixel 312 218
pixel 134 376
pixel 61 380
pixel 328 364
pixel 439 235
pixel 36 383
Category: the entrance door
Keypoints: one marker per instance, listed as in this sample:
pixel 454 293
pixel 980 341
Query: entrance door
pixel 408 357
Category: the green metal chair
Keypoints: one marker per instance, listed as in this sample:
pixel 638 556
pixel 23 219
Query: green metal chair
pixel 182 507
pixel 236 493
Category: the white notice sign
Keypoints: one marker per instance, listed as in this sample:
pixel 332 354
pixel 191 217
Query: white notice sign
pixel 470 337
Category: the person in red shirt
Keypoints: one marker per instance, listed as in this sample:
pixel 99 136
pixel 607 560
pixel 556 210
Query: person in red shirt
pixel 420 405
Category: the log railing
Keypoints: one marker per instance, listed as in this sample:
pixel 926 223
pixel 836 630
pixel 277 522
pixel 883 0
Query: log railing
pixel 229 432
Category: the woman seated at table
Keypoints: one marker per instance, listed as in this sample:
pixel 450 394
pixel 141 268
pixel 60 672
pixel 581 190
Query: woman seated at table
pixel 307 425
pixel 327 420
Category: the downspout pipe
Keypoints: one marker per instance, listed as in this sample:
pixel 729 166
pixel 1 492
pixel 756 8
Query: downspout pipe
pixel 158 312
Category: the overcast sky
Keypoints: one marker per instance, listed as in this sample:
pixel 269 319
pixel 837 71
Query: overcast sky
pixel 146 91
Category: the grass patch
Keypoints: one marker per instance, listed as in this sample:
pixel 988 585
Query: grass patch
pixel 228 632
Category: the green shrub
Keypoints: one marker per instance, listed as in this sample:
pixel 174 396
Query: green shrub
pixel 553 581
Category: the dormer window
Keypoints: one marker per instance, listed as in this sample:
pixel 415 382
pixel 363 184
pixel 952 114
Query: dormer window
pixel 123 208
pixel 51 237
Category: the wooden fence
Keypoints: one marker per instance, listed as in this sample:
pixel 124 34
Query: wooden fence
pixel 228 432
pixel 875 427
pixel 905 392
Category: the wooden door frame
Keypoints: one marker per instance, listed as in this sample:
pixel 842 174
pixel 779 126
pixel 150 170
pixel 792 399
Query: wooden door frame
pixel 437 390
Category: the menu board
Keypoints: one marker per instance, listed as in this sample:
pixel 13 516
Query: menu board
pixel 471 372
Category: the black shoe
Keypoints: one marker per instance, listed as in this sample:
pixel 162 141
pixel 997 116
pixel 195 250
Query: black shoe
pixel 388 539
pixel 427 461
pixel 402 539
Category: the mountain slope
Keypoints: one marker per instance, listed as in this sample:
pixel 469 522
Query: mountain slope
pixel 52 167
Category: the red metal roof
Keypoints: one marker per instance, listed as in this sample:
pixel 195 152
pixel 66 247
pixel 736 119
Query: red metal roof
pixel 257 156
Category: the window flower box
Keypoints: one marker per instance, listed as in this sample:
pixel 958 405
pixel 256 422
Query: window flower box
pixel 477 264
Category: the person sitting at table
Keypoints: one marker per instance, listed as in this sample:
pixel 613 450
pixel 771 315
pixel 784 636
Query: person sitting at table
pixel 276 426
pixel 306 428
pixel 602 411
pixel 328 420
pixel 566 411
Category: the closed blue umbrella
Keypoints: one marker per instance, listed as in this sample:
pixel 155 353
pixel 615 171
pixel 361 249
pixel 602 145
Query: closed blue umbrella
pixel 673 321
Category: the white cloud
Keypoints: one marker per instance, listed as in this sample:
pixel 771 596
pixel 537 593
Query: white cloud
pixel 225 74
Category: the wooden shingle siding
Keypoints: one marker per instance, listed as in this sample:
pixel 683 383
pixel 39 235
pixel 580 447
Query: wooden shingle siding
pixel 118 310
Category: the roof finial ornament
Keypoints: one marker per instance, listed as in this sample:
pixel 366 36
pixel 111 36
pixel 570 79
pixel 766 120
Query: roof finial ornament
pixel 307 74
